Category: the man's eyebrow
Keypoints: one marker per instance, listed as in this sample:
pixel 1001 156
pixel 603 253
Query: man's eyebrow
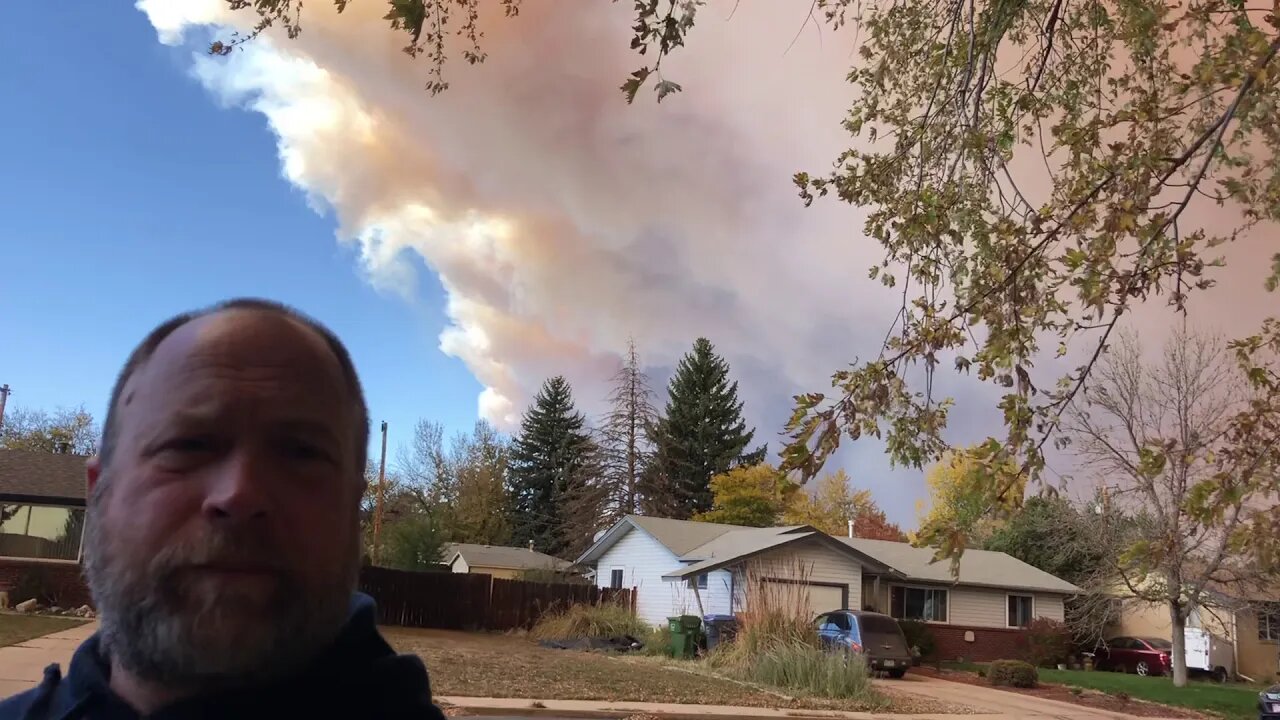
pixel 305 426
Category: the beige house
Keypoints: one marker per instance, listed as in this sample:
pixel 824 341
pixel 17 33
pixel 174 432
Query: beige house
pixel 1252 625
pixel 500 561
pixel 682 567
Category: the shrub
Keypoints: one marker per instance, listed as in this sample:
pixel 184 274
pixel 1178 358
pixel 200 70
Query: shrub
pixel 919 638
pixel 807 668
pixel 777 642
pixel 47 588
pixel 657 641
pixel 605 620
pixel 1045 642
pixel 1013 673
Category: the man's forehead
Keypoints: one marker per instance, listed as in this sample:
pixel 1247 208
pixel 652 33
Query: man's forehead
pixel 238 339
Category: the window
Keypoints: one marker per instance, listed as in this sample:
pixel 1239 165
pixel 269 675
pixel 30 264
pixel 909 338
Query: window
pixel 41 531
pixel 1021 608
pixel 927 604
pixel 840 621
pixel 701 582
pixel 1269 621
pixel 615 578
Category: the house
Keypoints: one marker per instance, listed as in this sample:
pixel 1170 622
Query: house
pixel 42 506
pixel 1251 623
pixel 976 614
pixel 502 562
pixel 680 567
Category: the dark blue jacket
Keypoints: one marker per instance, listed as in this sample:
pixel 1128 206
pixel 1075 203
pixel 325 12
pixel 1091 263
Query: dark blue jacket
pixel 358 676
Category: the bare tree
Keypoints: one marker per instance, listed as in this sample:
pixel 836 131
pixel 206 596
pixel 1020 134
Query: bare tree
pixel 65 430
pixel 463 486
pixel 1159 434
pixel 624 437
pixel 423 468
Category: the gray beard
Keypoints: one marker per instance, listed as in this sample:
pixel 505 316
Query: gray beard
pixel 162 629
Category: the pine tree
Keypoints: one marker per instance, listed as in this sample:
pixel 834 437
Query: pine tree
pixel 549 457
pixel 626 449
pixel 701 433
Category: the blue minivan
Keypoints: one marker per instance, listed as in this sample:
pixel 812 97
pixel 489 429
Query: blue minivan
pixel 877 638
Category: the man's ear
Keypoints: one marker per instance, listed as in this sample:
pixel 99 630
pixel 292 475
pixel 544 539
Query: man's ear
pixel 92 471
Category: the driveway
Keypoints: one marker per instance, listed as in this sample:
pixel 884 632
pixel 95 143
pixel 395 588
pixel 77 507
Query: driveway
pixel 986 700
pixel 22 665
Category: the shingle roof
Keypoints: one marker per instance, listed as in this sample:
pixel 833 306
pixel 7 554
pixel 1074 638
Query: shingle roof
pixel 682 536
pixel 36 475
pixel 741 541
pixel 736 545
pixel 977 567
pixel 508 558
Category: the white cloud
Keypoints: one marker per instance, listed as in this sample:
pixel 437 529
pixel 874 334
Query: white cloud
pixel 561 221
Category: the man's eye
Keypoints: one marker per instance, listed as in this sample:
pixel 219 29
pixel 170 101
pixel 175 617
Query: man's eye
pixel 189 444
pixel 304 450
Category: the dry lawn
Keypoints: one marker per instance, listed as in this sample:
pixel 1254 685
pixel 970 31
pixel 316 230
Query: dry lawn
pixel 510 666
pixel 16 628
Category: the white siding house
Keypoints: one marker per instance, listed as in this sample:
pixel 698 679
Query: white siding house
pixel 663 560
pixel 644 554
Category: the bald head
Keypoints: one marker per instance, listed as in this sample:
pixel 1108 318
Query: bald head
pixel 349 389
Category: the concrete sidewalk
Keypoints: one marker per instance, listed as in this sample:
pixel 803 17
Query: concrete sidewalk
pixel 671 711
pixel 22 665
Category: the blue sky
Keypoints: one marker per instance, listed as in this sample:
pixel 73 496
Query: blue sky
pixel 129 195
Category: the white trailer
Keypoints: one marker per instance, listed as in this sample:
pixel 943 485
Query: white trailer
pixel 1210 653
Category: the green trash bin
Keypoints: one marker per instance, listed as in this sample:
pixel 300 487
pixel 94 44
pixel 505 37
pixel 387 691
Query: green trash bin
pixel 681 640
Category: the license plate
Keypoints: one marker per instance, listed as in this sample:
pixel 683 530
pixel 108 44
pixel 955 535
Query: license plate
pixel 1275 707
pixel 888 663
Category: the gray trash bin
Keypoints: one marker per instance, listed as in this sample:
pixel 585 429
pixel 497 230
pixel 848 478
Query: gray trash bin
pixel 720 629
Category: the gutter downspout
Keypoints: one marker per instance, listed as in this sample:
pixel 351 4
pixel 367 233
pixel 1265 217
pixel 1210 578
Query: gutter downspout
pixel 1235 644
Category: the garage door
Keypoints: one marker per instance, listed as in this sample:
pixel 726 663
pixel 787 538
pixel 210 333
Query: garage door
pixel 822 598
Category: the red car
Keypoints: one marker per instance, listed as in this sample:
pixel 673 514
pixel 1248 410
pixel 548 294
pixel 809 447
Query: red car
pixel 1141 656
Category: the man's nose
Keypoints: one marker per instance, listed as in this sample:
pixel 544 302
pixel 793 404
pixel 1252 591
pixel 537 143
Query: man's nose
pixel 236 490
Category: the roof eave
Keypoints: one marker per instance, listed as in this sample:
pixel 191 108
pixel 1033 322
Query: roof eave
pixel 606 541
pixel 993 586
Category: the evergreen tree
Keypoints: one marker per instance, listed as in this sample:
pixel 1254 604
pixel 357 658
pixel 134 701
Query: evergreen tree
pixel 701 433
pixel 625 446
pixel 551 455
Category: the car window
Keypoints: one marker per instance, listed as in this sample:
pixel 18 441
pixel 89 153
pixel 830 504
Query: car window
pixel 841 621
pixel 879 624
pixel 1158 644
pixel 1120 643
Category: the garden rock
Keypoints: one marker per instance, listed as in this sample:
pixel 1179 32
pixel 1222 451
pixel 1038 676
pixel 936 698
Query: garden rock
pixel 83 611
pixel 27 606
pixel 55 610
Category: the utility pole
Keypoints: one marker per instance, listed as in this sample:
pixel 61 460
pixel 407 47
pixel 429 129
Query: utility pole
pixel 382 489
pixel 4 397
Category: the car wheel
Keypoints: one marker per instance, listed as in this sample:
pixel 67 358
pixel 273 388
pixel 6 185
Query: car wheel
pixel 897 674
pixel 1142 669
pixel 1219 674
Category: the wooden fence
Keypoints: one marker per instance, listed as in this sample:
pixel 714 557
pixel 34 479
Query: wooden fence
pixel 462 601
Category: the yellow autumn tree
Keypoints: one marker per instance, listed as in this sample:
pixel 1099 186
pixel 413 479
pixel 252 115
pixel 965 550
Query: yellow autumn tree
pixel 834 503
pixel 753 495
pixel 965 506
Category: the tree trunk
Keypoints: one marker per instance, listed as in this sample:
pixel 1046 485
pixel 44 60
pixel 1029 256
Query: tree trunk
pixel 1178 625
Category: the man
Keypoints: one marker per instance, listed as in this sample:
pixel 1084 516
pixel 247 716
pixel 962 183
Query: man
pixel 222 540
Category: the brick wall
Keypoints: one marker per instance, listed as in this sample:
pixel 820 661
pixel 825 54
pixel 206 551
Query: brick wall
pixel 62 580
pixel 988 643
